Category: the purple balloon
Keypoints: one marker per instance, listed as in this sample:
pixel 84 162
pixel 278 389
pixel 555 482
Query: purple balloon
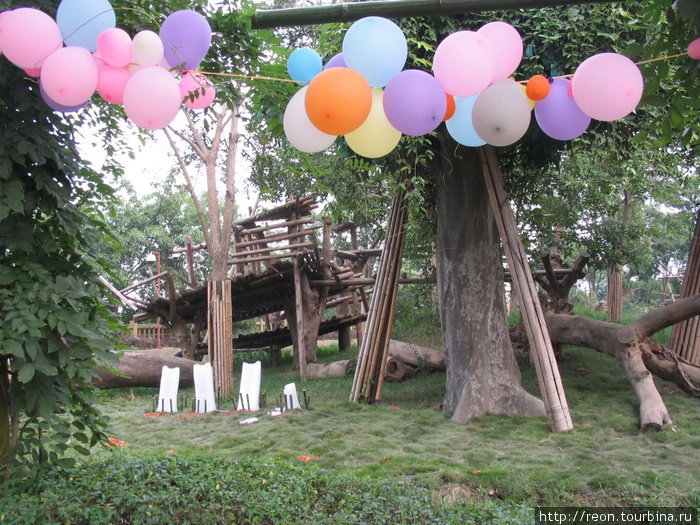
pixel 414 102
pixel 558 115
pixel 186 37
pixel 59 107
pixel 336 61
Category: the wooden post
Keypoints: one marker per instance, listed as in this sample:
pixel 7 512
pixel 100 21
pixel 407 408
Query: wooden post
pixel 546 367
pixel 189 250
pixel 615 293
pixel 299 311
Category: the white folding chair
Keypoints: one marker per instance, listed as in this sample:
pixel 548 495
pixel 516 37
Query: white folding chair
pixel 249 393
pixel 291 399
pixel 204 400
pixel 167 395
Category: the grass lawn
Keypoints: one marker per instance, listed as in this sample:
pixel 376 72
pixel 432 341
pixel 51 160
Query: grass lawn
pixel 606 459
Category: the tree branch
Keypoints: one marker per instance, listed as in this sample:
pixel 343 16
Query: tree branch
pixel 190 188
pixel 230 196
pixel 201 146
pixel 660 318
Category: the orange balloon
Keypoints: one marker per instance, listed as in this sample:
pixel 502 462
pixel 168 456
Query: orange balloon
pixel 451 107
pixel 537 88
pixel 338 100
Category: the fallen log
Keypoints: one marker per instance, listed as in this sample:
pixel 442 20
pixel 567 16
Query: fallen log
pixel 395 369
pixel 638 354
pixel 334 369
pixel 419 356
pixel 143 368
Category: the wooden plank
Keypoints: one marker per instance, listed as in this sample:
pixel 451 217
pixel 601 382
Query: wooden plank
pixel 275 238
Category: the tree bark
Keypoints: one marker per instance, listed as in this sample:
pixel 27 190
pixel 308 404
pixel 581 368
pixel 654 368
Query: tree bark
pixel 482 374
pixel 638 354
pixel 615 293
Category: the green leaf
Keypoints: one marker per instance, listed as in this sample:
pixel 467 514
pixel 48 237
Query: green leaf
pixel 26 373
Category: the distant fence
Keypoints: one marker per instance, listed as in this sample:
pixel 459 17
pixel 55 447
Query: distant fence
pixel 148 330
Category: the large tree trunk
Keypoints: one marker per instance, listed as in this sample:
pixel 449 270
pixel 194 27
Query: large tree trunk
pixel 482 374
pixel 638 354
pixel 313 308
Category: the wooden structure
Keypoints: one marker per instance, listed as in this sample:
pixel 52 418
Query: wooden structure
pixel 551 387
pixel 278 268
pixel 685 337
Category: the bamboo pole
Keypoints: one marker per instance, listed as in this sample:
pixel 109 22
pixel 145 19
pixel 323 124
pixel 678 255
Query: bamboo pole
pixel 268 249
pixel 244 260
pixel 145 281
pixel 545 363
pixel 299 311
pixel 282 237
pixel 285 224
pixel 685 337
pixel 350 11
pixel 190 262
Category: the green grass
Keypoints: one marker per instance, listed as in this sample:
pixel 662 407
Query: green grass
pixel 605 460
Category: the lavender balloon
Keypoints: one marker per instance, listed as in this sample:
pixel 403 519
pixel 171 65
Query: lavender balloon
pixel 336 61
pixel 558 115
pixel 186 37
pixel 414 102
pixel 59 107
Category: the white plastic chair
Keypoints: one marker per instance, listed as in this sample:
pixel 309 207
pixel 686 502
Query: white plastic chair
pixel 167 395
pixel 249 393
pixel 291 399
pixel 204 400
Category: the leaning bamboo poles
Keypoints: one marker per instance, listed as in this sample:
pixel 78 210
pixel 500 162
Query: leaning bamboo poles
pixel 372 356
pixel 546 367
pixel 220 344
pixel 685 338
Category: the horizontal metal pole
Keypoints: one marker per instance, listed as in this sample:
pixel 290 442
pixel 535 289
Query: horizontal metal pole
pixel 351 11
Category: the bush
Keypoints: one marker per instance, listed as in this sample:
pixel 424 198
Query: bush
pixel 132 490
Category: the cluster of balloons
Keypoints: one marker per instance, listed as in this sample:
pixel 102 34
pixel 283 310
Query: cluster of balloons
pixel 151 74
pixel 364 94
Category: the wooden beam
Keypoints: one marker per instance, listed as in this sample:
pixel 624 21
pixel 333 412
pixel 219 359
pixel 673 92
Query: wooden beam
pixel 299 311
pixel 351 11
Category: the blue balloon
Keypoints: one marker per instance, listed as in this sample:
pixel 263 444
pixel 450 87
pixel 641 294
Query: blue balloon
pixel 376 48
pixel 82 21
pixel 460 126
pixel 304 64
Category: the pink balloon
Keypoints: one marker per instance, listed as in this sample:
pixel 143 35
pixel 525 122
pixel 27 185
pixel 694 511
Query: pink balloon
pixel 464 63
pixel 111 82
pixel 33 71
pixel 152 98
pixel 193 84
pixel 28 36
pixel 694 49
pixel 607 86
pixel 507 47
pixel 69 76
pixel 114 46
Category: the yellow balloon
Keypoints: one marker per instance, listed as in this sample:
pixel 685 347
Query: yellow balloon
pixel 529 100
pixel 375 137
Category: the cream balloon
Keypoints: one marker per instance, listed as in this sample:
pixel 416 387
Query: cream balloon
pixel 300 132
pixel 147 48
pixel 501 114
pixel 376 137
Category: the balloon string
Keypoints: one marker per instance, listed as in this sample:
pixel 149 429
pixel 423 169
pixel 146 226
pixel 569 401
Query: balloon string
pixel 637 63
pixel 237 75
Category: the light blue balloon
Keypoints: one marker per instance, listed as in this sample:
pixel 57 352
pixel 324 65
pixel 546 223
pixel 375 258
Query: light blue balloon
pixel 82 21
pixel 304 64
pixel 376 48
pixel 460 126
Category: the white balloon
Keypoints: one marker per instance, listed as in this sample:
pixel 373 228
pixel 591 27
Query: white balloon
pixel 501 114
pixel 300 132
pixel 147 48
